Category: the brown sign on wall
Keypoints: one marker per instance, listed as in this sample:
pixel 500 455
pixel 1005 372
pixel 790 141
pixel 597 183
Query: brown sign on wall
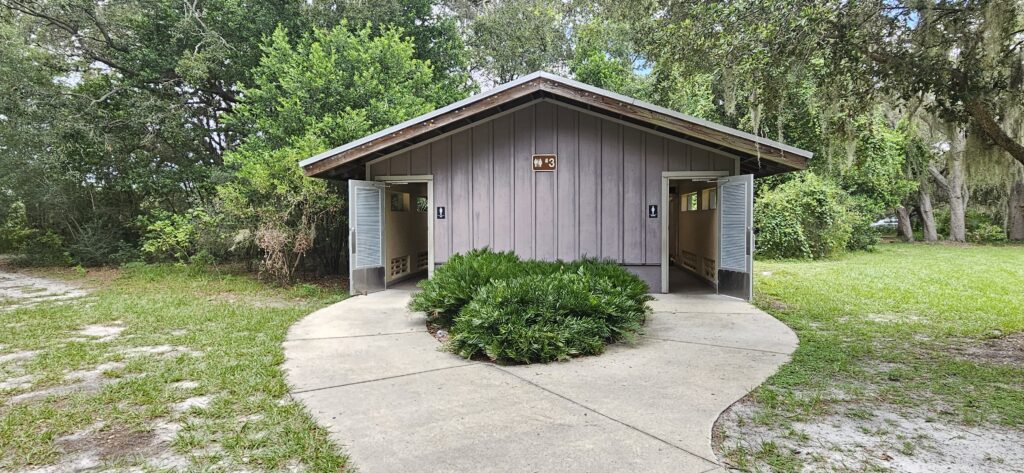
pixel 544 162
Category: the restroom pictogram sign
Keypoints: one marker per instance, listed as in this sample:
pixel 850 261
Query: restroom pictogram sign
pixel 544 162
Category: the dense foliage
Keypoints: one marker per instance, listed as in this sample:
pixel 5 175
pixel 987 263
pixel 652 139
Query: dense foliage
pixel 510 310
pixel 806 217
pixel 331 86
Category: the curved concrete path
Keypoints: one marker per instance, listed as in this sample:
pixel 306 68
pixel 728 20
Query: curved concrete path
pixel 368 371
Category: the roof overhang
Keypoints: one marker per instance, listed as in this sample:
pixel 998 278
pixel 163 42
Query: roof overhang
pixel 759 156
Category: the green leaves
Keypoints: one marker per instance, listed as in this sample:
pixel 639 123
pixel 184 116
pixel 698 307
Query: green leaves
pixel 511 39
pixel 327 88
pixel 806 217
pixel 511 310
pixel 335 85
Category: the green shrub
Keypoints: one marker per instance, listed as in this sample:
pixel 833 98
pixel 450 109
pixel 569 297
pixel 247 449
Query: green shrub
pixel 100 243
pixel 13 227
pixel 618 278
pixel 174 237
pixel 457 281
pixel 495 304
pixel 862 236
pixel 980 226
pixel 986 233
pixel 805 217
pixel 42 249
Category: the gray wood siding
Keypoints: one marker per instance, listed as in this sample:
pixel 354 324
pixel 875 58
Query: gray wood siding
pixel 593 204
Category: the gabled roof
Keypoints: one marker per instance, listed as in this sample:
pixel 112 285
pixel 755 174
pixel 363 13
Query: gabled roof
pixel 758 155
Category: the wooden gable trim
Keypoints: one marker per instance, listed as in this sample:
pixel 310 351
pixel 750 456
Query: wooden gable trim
pixel 420 128
pixel 750 147
pixel 610 104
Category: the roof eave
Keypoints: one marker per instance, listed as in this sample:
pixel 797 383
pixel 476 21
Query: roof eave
pixel 554 87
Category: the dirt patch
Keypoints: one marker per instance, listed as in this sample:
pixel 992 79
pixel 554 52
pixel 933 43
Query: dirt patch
pixel 19 290
pixel 877 438
pixel 159 350
pixel 18 356
pixel 18 382
pixel 102 332
pixel 891 318
pixel 198 402
pixel 107 444
pixel 1008 350
pixel 775 305
pixel 186 384
pixel 87 381
pixel 101 444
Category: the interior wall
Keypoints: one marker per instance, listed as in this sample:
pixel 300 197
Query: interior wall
pixel 693 234
pixel 405 252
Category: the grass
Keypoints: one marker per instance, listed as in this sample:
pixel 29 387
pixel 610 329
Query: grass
pixel 221 332
pixel 913 327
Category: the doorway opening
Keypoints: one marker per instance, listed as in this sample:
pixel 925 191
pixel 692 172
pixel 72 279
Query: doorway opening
pixel 693 239
pixel 407 242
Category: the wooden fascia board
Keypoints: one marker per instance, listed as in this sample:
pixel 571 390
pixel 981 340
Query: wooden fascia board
pixel 740 144
pixel 423 127
pixel 611 104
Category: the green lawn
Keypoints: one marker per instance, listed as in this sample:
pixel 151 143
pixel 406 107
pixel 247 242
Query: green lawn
pixel 198 362
pixel 931 331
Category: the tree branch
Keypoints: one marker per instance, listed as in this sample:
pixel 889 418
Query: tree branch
pixel 988 124
pixel 939 178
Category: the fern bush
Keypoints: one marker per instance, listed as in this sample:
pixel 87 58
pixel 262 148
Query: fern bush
pixel 509 310
pixel 456 282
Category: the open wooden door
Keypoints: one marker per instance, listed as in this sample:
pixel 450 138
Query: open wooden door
pixel 736 236
pixel 366 236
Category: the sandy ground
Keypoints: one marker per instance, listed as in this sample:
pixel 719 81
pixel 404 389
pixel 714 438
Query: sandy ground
pixel 21 290
pixel 881 440
pixel 101 443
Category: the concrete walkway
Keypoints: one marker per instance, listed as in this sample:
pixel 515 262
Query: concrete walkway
pixel 367 370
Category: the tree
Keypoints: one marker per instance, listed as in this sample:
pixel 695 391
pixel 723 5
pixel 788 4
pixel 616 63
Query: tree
pixel 603 56
pixel 433 28
pixel 329 87
pixel 186 54
pixel 967 56
pixel 962 60
pixel 115 109
pixel 511 38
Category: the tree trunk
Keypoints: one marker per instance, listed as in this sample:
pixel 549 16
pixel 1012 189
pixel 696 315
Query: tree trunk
pixel 953 183
pixel 957 199
pixel 1015 212
pixel 905 228
pixel 927 214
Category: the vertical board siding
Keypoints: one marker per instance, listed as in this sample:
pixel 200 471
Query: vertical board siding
pixel 522 151
pixel 594 204
pixel 440 162
pixel 723 163
pixel 503 197
pixel 611 190
pixel 399 165
pixel 419 161
pixel 634 207
pixel 460 211
pixel 567 203
pixel 654 164
pixel 482 189
pixel 381 168
pixel 590 185
pixel 678 156
pixel 545 200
